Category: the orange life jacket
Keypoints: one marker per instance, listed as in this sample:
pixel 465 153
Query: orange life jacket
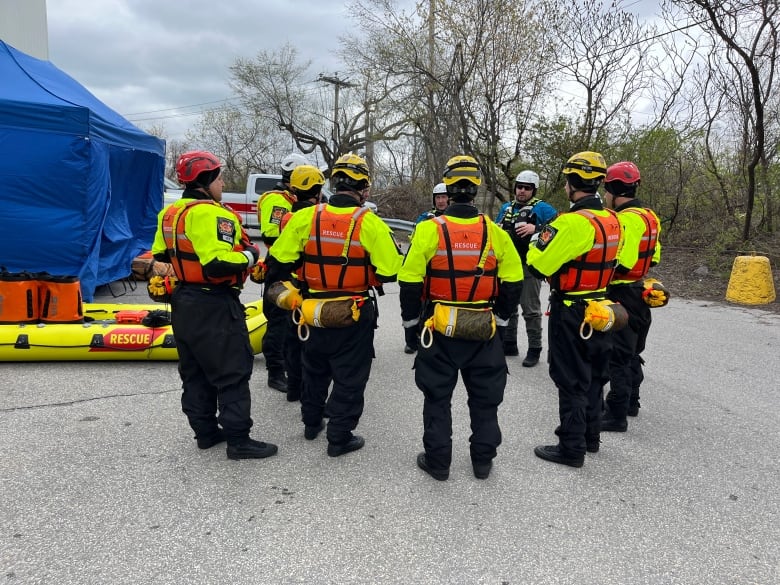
pixel 646 244
pixel 184 260
pixel 333 258
pixel 593 270
pixel 285 218
pixel 464 267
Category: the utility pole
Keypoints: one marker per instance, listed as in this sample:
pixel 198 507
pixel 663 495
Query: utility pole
pixel 369 137
pixel 337 84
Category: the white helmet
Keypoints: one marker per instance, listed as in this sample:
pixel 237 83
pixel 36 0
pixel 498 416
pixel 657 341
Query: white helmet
pixel 293 160
pixel 528 177
pixel 440 189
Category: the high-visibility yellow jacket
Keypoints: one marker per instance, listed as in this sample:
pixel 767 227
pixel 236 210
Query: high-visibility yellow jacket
pixel 271 208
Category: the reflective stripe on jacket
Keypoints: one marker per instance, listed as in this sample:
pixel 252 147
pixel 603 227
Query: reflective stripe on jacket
pixel 333 257
pixel 592 270
pixel 464 268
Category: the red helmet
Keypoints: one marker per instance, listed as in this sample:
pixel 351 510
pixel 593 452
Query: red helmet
pixel 191 164
pixel 625 172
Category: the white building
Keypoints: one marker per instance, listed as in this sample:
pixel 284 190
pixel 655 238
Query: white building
pixel 23 26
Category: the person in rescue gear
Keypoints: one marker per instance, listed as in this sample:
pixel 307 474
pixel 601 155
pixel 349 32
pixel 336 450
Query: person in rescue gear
pixel 211 256
pixel 338 249
pixel 271 208
pixel 641 249
pixel 576 253
pixel 521 219
pixel 460 261
pixel 306 183
pixel 440 202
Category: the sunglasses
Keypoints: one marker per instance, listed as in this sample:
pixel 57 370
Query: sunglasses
pixel 525 187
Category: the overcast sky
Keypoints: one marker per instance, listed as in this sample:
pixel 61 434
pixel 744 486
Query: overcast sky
pixel 162 62
pixel 143 56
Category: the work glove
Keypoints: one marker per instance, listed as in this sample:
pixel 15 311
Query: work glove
pixel 655 294
pixel 258 272
pixel 160 288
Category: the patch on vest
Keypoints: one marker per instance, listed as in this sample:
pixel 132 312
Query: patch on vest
pixel 277 214
pixel 545 237
pixel 226 230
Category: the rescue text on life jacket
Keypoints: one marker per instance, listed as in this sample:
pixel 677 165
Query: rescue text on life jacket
pixel 646 245
pixel 464 268
pixel 593 270
pixel 333 258
pixel 184 260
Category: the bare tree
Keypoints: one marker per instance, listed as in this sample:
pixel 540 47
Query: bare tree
pixel 278 88
pixel 244 143
pixel 466 75
pixel 746 36
pixel 603 51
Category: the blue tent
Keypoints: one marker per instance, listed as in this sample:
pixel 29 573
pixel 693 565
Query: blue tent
pixel 80 186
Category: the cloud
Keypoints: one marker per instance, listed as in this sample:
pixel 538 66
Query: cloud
pixel 144 56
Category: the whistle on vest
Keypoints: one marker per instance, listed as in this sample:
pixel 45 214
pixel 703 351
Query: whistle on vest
pixel 604 316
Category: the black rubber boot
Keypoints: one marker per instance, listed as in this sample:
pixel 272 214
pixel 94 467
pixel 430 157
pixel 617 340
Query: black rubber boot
pixel 277 381
pixel 532 357
pixel 437 474
pixel 251 449
pixel 355 443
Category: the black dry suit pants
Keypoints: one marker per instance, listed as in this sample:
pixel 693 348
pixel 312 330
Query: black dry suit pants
pixel 580 369
pixel 273 341
pixel 625 366
pixel 215 360
pixel 483 367
pixel 343 355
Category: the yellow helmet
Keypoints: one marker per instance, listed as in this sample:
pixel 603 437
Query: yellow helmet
pixel 353 166
pixel 588 165
pixel 304 177
pixel 462 167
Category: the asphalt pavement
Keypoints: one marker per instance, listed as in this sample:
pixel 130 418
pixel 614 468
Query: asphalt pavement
pixel 101 481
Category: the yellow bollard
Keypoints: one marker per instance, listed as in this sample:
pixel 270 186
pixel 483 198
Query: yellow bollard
pixel 751 281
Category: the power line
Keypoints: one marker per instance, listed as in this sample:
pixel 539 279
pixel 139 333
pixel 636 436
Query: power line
pixel 179 107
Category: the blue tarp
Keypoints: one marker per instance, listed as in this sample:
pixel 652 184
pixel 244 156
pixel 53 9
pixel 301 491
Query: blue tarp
pixel 80 186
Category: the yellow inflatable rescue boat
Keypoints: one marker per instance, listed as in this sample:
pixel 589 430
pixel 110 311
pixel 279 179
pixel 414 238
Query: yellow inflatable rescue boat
pixel 109 332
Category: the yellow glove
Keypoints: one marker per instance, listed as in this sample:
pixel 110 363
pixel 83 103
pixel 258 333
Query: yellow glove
pixel 257 274
pixel 655 293
pixel 161 287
